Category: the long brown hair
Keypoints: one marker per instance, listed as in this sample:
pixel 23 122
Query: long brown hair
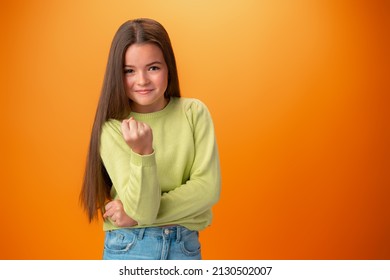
pixel 114 104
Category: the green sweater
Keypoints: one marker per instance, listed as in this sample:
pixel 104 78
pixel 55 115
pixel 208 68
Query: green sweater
pixel 177 184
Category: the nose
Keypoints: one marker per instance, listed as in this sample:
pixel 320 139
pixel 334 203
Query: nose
pixel 142 78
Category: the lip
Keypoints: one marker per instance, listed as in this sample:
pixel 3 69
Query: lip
pixel 143 91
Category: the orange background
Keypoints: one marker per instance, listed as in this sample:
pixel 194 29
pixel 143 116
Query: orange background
pixel 299 93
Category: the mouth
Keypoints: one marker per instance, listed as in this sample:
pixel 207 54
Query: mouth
pixel 143 91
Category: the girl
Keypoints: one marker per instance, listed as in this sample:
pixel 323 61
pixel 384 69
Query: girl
pixel 152 167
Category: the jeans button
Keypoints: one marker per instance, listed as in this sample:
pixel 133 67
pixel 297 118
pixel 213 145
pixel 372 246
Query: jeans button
pixel 166 231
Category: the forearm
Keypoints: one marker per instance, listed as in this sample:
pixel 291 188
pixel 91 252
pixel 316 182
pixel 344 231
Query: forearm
pixel 202 189
pixel 188 200
pixel 134 176
pixel 141 193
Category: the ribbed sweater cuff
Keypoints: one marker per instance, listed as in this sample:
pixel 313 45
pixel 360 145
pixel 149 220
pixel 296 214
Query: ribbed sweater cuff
pixel 143 160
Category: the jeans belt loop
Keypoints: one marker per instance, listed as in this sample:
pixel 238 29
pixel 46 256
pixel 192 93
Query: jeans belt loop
pixel 141 233
pixel 178 233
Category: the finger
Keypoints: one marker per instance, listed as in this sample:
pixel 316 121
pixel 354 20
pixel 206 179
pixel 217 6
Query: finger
pixel 118 219
pixel 109 213
pixel 113 218
pixel 147 128
pixel 105 215
pixel 109 204
pixel 125 126
pixel 133 125
pixel 112 207
pixel 115 204
pixel 141 128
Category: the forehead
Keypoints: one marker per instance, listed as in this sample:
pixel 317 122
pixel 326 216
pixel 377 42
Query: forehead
pixel 142 54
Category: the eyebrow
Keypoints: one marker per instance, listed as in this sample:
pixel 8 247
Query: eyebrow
pixel 149 64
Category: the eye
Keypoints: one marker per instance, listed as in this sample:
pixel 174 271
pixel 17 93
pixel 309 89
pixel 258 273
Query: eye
pixel 128 71
pixel 154 68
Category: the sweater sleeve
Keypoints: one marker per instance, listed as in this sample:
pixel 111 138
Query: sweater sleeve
pixel 134 177
pixel 202 190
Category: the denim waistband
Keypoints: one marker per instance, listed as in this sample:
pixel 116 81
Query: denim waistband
pixel 168 232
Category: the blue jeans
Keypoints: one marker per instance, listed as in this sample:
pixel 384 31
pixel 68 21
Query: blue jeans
pixel 155 243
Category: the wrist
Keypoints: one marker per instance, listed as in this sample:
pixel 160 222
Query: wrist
pixel 143 152
pixel 143 160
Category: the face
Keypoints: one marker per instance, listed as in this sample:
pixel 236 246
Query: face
pixel 145 77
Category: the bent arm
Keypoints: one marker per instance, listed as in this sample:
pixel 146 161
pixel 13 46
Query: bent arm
pixel 202 190
pixel 134 177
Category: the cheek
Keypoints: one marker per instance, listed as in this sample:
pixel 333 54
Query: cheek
pixel 128 83
pixel 163 80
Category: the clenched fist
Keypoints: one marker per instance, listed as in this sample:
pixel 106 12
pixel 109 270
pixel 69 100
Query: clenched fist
pixel 115 212
pixel 138 136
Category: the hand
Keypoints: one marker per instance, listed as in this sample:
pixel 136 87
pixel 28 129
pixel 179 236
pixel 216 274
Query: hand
pixel 115 211
pixel 138 136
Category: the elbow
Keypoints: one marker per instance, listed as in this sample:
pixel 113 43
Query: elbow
pixel 144 221
pixel 146 216
pixel 215 198
pixel 214 194
pixel 148 219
